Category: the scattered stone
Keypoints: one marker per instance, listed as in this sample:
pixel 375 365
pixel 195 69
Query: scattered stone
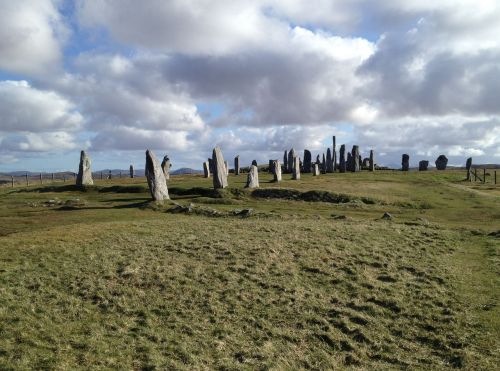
pixel 253 177
pixel 219 170
pixel 387 216
pixel 131 170
pixel 245 213
pixel 405 162
pixel 441 162
pixel 342 161
pixel 307 161
pixel 296 168
pixel 156 178
pixel 237 165
pixel 166 165
pixel 276 168
pixel 339 217
pixel 206 169
pixel 423 165
pixel 84 176
pixel 329 161
pixel 355 159
pixel 372 161
pixel 316 169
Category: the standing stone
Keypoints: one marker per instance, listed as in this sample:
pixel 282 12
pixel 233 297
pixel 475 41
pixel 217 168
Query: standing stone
pixel 307 161
pixel 329 161
pixel 226 166
pixel 206 169
pixel 285 160
pixel 349 165
pixel 318 161
pixel 254 163
pixel 84 176
pixel 166 165
pixel 355 159
pixel 441 162
pixel 237 165
pixel 372 161
pixel 276 170
pixel 468 165
pixel 342 162
pixel 296 168
pixel 405 162
pixel 131 170
pixel 316 169
pixel 323 164
pixel 366 163
pixel 156 178
pixel 253 177
pixel 334 154
pixel 211 165
pixel 270 167
pixel 291 160
pixel 423 165
pixel 219 169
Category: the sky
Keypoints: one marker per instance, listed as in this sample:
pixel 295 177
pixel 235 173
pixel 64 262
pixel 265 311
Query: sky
pixel 256 77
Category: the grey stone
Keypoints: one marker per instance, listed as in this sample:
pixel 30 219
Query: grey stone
pixel 342 160
pixel 253 177
pixel 84 176
pixel 276 169
pixel 219 169
pixel 131 170
pixel 334 154
pixel 468 165
pixel 355 159
pixel 206 169
pixel 349 164
pixel 329 161
pixel 423 165
pixel 315 169
pixel 441 162
pixel 285 161
pixel 366 163
pixel 237 165
pixel 323 164
pixel 405 162
pixel 291 159
pixel 372 161
pixel 211 165
pixel 226 166
pixel 296 168
pixel 155 177
pixel 166 165
pixel 387 216
pixel 307 161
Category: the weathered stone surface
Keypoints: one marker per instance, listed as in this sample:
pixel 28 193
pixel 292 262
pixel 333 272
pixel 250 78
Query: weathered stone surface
pixel 285 161
pixel 237 165
pixel 405 162
pixel 441 162
pixel 468 165
pixel 219 169
pixel 253 177
pixel 254 163
pixel 315 169
pixel 84 176
pixel 276 169
pixel 329 161
pixel 296 168
pixel 226 166
pixel 131 171
pixel 307 161
pixel 291 159
pixel 155 177
pixel 334 154
pixel 423 165
pixel 342 160
pixel 372 161
pixel 355 158
pixel 166 165
pixel 206 169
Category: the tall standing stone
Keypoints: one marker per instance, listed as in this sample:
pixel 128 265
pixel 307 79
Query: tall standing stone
pixel 285 160
pixel 372 161
pixel 307 161
pixel 349 164
pixel 296 168
pixel 237 165
pixel 468 165
pixel 166 165
pixel 441 162
pixel 206 169
pixel 291 160
pixel 84 176
pixel 423 165
pixel 276 168
pixel 329 161
pixel 253 177
pixel 334 153
pixel 219 169
pixel 323 164
pixel 131 170
pixel 356 165
pixel 155 177
pixel 315 169
pixel 405 162
pixel 342 161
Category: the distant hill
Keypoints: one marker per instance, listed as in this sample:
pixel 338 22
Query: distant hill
pixel 185 170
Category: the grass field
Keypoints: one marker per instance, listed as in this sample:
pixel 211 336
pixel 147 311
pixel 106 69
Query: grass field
pixel 311 278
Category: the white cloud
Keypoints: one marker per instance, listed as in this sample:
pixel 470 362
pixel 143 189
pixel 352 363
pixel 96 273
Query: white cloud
pixel 39 142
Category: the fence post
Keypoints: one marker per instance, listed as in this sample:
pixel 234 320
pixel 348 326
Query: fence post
pixel 120 174
pixel 12 179
pixel 484 175
pixel 64 178
pixel 27 180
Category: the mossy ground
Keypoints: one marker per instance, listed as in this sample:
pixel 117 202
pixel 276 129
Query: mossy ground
pixel 103 279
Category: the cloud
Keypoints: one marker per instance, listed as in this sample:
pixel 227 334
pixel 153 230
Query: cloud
pixel 31 34
pixel 39 142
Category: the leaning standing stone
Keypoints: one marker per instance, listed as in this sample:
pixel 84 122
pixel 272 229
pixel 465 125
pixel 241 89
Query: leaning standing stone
pixel 307 161
pixel 237 165
pixel 84 176
pixel 166 165
pixel 315 169
pixel 132 171
pixel 253 177
pixel 405 162
pixel 219 169
pixel 372 161
pixel 296 168
pixel 441 162
pixel 156 178
pixel 206 169
pixel 423 165
pixel 276 168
